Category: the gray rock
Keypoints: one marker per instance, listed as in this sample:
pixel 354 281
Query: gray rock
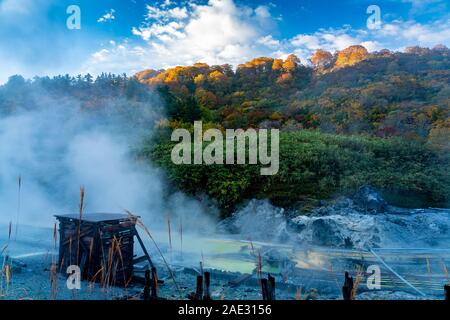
pixel 349 230
pixel 258 220
pixel 342 223
pixel 369 199
pixel 387 295
pixel 325 232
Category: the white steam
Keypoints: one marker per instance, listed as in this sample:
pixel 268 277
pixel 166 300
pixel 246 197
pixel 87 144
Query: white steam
pixel 58 148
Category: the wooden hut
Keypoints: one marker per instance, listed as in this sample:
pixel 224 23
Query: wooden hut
pixel 101 244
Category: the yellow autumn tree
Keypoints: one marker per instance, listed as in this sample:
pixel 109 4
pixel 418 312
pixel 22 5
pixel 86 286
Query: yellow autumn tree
pixel 291 63
pixel 216 76
pixel 277 64
pixel 351 56
pixel 199 79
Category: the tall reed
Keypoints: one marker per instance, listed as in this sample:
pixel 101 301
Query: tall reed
pixel 81 207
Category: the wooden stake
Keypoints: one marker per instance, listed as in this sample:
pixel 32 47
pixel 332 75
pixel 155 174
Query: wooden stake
pixel 347 289
pixel 147 285
pixel 447 292
pixel 207 295
pixel 154 283
pixel 199 288
pixel 271 287
pixel 264 291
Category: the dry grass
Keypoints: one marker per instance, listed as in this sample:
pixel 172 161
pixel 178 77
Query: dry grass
pixel 298 294
pixel 53 281
pixel 428 265
pixel 81 208
pixel 53 270
pixel 5 276
pixel 259 265
pixel 259 268
pixel 202 263
pixel 168 228
pixel 115 258
pixel 181 236
pixel 252 247
pixel 359 276
pixel 94 277
pixel 445 269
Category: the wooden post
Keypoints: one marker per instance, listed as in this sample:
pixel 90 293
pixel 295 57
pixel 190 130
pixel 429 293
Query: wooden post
pixel 207 295
pixel 198 294
pixel 154 283
pixel 264 291
pixel 147 285
pixel 271 287
pixel 347 289
pixel 447 292
pixel 199 288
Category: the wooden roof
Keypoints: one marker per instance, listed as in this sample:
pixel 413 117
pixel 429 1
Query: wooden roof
pixel 96 217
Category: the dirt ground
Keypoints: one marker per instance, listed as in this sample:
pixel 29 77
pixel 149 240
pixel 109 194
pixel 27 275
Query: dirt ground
pixel 31 278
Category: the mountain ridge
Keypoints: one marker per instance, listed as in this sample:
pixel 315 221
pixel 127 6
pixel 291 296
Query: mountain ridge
pixel 381 93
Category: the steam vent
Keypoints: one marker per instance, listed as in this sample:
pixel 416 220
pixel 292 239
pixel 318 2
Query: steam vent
pixel 101 244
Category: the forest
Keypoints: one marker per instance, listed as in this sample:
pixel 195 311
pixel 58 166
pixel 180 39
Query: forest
pixel 347 119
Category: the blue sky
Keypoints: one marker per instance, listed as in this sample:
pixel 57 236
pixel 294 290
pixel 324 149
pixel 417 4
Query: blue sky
pixel 131 35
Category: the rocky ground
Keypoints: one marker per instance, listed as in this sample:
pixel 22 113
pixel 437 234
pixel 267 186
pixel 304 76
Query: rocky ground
pixel 362 221
pixel 32 281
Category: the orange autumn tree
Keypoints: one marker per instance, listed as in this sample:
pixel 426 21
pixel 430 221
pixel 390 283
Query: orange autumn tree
pixel 351 56
pixel 321 58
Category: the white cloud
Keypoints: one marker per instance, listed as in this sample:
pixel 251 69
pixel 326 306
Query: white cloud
pixel 108 16
pixel 311 42
pixel 154 12
pixel 222 31
pixel 410 33
pixel 263 12
pixel 395 35
pixel 372 45
pixel 426 6
pixel 13 7
pixel 269 42
pixel 327 39
pixel 117 59
pixel 217 32
pixel 163 32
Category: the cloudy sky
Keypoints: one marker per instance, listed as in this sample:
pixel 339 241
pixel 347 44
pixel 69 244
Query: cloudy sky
pixel 131 35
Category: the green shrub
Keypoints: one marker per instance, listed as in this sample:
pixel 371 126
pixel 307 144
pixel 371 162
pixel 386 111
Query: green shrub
pixel 315 165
